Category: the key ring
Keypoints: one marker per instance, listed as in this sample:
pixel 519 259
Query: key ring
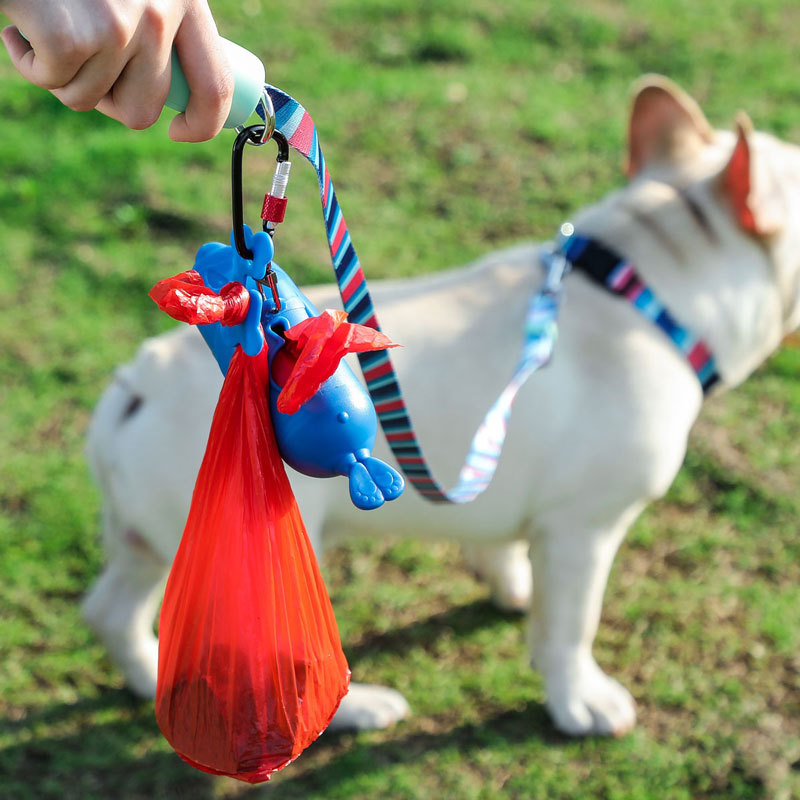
pixel 267 113
pixel 269 116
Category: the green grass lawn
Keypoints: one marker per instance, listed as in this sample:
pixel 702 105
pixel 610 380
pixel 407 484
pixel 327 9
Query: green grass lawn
pixel 450 128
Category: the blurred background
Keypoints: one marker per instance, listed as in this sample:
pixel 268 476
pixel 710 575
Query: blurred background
pixel 450 128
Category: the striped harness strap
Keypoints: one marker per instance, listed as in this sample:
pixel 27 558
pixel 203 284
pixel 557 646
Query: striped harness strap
pixel 618 276
pixel 294 122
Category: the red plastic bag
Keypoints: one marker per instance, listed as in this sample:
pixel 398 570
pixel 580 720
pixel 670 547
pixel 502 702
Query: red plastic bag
pixel 185 297
pixel 250 667
pixel 315 347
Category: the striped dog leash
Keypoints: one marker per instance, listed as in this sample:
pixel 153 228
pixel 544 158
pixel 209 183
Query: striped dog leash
pixel 294 122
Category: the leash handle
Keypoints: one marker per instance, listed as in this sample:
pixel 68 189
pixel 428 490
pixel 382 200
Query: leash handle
pixel 294 122
pixel 248 74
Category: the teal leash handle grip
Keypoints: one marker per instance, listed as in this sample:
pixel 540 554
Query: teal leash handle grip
pixel 248 75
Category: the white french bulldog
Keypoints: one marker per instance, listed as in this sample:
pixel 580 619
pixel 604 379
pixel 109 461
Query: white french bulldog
pixel 712 222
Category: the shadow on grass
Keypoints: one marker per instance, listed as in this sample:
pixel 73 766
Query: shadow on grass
pixel 98 759
pixel 109 745
pixel 345 758
pixel 99 747
pixel 461 621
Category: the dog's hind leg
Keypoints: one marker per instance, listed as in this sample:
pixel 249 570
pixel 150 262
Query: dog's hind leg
pixel 121 608
pixel 506 568
pixel 571 563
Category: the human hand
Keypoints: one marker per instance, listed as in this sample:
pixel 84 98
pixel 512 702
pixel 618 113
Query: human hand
pixel 114 55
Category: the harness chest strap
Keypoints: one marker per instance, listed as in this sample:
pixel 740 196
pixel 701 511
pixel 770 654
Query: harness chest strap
pixel 618 276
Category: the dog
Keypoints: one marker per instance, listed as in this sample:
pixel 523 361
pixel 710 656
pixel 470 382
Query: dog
pixel 711 220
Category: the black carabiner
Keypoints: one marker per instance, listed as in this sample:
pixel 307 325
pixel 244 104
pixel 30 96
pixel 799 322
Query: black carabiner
pixel 251 134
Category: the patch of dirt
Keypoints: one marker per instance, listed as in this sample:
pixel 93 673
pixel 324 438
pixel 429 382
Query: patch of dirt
pixel 715 440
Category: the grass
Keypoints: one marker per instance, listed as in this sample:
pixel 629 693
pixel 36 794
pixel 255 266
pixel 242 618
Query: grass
pixel 450 129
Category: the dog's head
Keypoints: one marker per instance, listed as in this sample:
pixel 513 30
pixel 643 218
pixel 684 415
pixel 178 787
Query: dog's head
pixel 753 175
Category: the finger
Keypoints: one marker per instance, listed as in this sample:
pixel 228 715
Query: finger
pixel 138 96
pixel 209 77
pixel 17 46
pixel 93 81
pixel 54 66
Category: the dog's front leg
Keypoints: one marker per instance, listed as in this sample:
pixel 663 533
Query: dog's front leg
pixel 571 561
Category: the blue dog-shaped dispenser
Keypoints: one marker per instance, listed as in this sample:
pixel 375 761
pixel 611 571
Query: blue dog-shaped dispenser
pixel 333 432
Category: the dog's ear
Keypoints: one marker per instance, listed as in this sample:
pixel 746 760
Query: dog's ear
pixel 757 205
pixel 665 124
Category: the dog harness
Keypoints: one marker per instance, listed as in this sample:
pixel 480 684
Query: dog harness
pixel 540 333
pixel 614 273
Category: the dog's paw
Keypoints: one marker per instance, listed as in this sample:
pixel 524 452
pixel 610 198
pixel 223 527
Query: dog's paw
pixel 136 655
pixel 591 704
pixel 138 661
pixel 367 707
pixel 140 678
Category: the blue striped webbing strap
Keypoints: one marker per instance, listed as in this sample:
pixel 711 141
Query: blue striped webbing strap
pixel 619 277
pixel 294 122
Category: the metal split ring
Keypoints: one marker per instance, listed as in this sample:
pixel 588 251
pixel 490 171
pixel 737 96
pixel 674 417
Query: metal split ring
pixel 268 111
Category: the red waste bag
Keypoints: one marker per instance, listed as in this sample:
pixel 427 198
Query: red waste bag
pixel 314 349
pixel 185 297
pixel 250 666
